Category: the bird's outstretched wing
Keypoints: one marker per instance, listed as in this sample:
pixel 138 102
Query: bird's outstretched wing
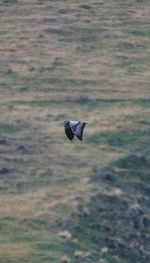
pixel 68 131
pixel 78 130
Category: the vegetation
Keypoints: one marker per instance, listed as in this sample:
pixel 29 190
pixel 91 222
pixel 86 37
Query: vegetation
pixel 64 201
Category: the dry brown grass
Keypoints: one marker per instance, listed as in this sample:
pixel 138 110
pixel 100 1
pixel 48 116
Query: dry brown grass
pixel 15 251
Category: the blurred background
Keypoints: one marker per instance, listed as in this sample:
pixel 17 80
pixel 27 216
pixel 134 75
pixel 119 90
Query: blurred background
pixel 63 201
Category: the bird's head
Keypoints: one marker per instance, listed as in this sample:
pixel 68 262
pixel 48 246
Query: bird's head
pixel 66 122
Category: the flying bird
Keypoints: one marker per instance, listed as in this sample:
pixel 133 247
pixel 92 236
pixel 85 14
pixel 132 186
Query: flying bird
pixel 74 128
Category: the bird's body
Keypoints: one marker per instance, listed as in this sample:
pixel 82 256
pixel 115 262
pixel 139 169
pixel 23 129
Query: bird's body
pixel 68 131
pixel 74 128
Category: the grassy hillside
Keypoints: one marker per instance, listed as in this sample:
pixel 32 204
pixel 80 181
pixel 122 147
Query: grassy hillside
pixel 63 201
pixel 114 225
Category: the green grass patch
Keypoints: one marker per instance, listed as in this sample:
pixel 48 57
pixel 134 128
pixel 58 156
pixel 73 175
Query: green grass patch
pixel 142 102
pixel 89 8
pixel 122 139
pixel 130 46
pixel 116 222
pixel 35 232
pixel 145 122
pixel 6 128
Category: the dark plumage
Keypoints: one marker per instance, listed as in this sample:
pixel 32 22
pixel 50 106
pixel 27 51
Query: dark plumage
pixel 68 131
pixel 74 128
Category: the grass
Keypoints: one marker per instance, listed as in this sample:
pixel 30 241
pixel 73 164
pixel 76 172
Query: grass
pixel 124 139
pixel 74 60
pixel 12 128
pixel 116 220
pixel 143 102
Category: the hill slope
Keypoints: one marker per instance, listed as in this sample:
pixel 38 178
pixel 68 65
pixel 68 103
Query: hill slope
pixel 77 60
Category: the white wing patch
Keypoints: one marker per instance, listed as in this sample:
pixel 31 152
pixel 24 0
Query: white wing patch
pixel 73 125
pixel 74 122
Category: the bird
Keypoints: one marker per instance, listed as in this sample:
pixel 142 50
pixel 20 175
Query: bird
pixel 74 128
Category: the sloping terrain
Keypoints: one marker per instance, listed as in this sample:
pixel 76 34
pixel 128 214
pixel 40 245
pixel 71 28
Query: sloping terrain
pixel 74 60
pixel 114 225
